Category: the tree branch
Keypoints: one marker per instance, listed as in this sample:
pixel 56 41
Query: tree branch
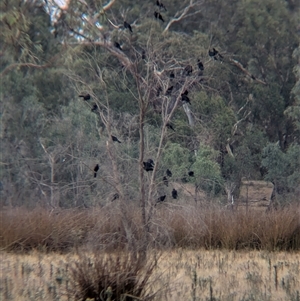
pixel 183 15
pixel 240 66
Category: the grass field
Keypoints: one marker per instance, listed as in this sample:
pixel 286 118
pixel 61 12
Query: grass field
pixel 193 253
pixel 178 275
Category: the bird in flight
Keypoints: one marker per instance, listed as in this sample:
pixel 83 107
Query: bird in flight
pixel 159 16
pixel 115 139
pixel 96 168
pixel 127 25
pixel 174 193
pixel 85 96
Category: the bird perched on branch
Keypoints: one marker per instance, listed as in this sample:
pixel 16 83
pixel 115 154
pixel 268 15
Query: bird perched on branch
pixel 169 90
pixel 149 165
pixel 94 108
pixel 188 70
pixel 191 173
pixel 115 139
pixel 169 126
pixel 117 45
pixel 85 96
pixel 165 180
pixel 161 199
pixel 168 173
pixel 96 168
pixel 160 5
pixel 128 26
pixel 143 55
pixel 174 193
pixel 150 161
pixel 200 65
pixel 185 98
pixel 115 196
pixel 159 16
pixel 214 53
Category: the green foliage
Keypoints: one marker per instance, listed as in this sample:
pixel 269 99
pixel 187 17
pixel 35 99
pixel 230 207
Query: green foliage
pixel 207 171
pixel 42 102
pixel 283 168
pixel 176 158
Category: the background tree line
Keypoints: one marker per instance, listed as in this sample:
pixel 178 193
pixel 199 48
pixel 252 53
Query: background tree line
pixel 242 117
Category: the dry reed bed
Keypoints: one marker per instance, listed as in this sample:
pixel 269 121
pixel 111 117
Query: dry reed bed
pixel 171 226
pixel 179 275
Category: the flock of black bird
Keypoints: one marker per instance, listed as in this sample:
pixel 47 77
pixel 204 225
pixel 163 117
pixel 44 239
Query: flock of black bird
pixel 188 70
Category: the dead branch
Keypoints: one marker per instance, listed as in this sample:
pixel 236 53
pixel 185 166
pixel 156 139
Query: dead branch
pixel 240 66
pixel 184 14
pixel 30 65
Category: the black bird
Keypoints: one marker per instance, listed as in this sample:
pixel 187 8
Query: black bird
pixel 188 70
pixel 172 75
pixel 160 5
pixel 169 173
pixel 169 125
pixel 94 108
pixel 127 25
pixel 200 65
pixel 165 181
pixel 143 54
pixel 117 45
pixel 174 193
pixel 115 139
pixel 96 168
pixel 159 16
pixel 185 98
pixel 213 52
pixel 148 166
pixel 186 92
pixel 161 198
pixel 169 90
pixel 151 162
pixel 85 96
pixel 191 173
pixel 116 196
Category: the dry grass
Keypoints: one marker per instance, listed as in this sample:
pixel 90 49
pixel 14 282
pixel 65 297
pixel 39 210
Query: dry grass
pixel 172 225
pixel 178 275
